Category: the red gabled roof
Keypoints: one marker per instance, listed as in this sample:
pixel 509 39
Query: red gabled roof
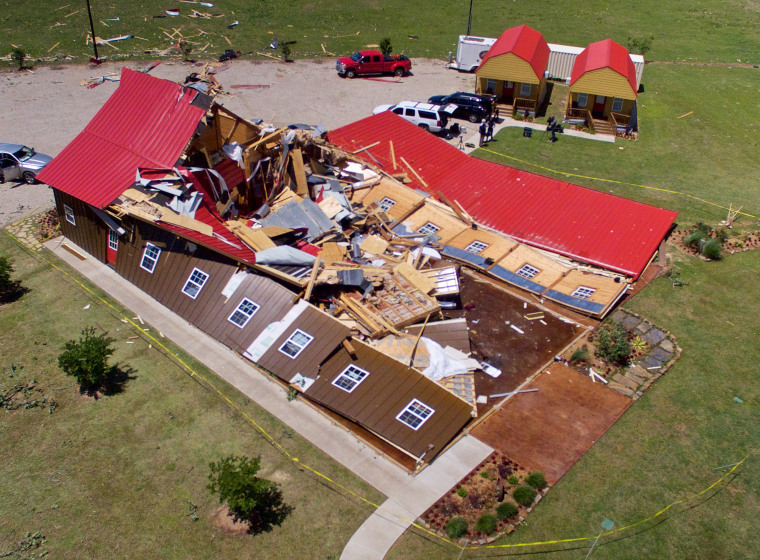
pixel 147 122
pixel 581 223
pixel 526 43
pixel 605 54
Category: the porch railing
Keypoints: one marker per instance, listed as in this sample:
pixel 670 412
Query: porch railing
pixel 620 120
pixel 580 115
pixel 522 104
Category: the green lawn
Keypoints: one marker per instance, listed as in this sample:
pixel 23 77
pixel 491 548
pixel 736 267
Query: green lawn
pixel 115 477
pixel 697 30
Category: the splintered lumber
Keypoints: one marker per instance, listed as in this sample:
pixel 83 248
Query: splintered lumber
pixel 393 156
pixel 534 316
pixel 417 340
pixel 300 172
pixel 349 348
pixel 454 208
pixel 312 279
pixel 252 143
pixel 415 277
pixel 186 222
pixel 257 239
pixel 365 147
pixel 414 172
pixel 417 205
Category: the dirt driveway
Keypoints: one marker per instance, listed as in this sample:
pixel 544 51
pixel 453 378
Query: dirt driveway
pixel 48 107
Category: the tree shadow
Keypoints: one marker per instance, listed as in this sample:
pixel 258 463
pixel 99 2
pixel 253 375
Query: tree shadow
pixel 14 292
pixel 116 379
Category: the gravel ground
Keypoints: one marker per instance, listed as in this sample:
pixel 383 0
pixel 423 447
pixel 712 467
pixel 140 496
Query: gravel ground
pixel 46 108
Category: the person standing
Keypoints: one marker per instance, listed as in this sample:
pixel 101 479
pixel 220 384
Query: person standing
pixel 489 129
pixel 483 131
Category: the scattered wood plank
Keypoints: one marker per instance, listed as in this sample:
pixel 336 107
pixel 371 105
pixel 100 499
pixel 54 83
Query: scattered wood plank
pixel 686 114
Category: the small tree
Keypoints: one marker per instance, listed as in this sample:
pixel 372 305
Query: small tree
pixel 6 269
pixel 612 343
pixel 524 495
pixel 640 45
pixel 456 527
pixel 17 56
pixel 87 359
pixel 285 48
pixel 255 500
pixel 385 46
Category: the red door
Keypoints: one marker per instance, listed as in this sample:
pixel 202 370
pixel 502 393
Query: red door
pixel 112 248
pixel 599 102
pixel 508 93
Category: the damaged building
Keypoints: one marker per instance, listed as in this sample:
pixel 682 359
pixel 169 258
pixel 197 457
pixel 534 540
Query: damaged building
pixel 323 258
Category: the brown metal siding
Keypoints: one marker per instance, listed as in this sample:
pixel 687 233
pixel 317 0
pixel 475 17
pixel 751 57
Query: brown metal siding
pixel 89 232
pixel 210 310
pixel 328 335
pixel 384 393
pixel 454 333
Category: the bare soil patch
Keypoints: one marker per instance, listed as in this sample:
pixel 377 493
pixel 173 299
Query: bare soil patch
pixel 224 521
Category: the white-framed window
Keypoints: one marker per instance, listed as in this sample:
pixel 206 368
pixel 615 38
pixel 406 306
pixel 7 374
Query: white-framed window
pixel 476 247
pixel 527 271
pixel 386 204
pixel 150 257
pixel 349 378
pixel 195 283
pixel 509 84
pixel 243 312
pixel 69 212
pixel 428 228
pixel 582 99
pixel 415 414
pixel 490 85
pixel 525 90
pixel 113 240
pixel 617 104
pixel 583 292
pixel 295 343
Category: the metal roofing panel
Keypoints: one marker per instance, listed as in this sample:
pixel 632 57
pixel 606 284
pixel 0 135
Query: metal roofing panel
pixel 147 122
pixel 578 222
pixel 605 54
pixel 526 43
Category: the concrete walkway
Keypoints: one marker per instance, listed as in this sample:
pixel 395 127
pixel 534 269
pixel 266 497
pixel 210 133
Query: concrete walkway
pixel 474 139
pixel 407 496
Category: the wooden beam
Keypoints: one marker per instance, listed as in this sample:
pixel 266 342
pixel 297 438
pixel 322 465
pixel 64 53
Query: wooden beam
pixel 417 341
pixel 312 278
pixel 349 348
pixel 393 156
pixel 414 172
pixel 453 207
pixel 365 148
pixel 300 173
pixel 417 205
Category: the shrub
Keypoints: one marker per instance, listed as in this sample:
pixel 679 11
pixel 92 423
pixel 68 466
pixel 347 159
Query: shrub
pixel 506 510
pixel 486 524
pixel 722 235
pixel 485 474
pixel 461 492
pixel 457 527
pixel 286 52
pixel 513 479
pixel 579 355
pixel 712 249
pixel 536 480
pixel 385 46
pixel 640 45
pixel 524 495
pixel 254 500
pixel 87 359
pixel 612 343
pixel 17 56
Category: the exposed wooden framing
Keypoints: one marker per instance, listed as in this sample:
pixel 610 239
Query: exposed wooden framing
pixel 456 210
pixel 252 143
pixel 417 205
pixel 232 131
pixel 417 340
pixel 414 172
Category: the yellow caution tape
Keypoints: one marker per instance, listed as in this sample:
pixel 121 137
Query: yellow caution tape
pixel 615 181
pixel 304 466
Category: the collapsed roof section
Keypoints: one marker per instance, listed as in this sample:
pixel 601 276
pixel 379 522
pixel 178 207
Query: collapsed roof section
pixel 579 223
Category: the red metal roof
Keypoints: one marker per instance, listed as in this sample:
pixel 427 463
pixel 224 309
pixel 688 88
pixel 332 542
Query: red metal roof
pixel 581 223
pixel 526 43
pixel 147 122
pixel 605 54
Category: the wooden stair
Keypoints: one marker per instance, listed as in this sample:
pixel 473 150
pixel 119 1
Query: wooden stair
pixel 604 127
pixel 505 110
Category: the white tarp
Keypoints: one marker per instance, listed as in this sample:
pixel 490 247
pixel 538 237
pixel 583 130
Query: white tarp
pixel 445 362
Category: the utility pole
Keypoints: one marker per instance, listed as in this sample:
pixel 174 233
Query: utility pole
pixel 92 29
pixel 469 20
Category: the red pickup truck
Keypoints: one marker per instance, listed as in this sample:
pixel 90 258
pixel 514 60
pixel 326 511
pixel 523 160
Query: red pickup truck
pixel 373 62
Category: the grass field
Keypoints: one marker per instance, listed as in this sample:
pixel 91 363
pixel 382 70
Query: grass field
pixel 116 477
pixel 697 30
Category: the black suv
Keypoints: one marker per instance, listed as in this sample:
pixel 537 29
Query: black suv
pixel 470 106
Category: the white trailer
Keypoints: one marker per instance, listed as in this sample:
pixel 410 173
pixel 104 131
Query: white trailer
pixel 470 52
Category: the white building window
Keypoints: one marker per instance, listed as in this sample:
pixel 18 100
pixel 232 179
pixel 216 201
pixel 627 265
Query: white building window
pixel 349 378
pixel 582 99
pixel 386 203
pixel 527 271
pixel 415 414
pixel 490 85
pixel 428 228
pixel 195 283
pixel 476 247
pixel 69 215
pixel 525 90
pixel 150 257
pixel 243 313
pixel 113 240
pixel 295 343
pixel 583 292
pixel 617 104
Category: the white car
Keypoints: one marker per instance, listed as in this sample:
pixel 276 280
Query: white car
pixel 21 163
pixel 425 115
